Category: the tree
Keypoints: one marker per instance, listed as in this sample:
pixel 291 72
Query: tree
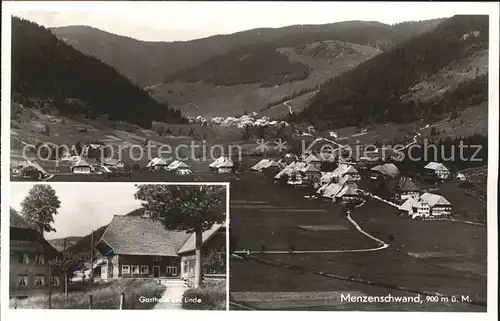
pixel 194 209
pixel 40 206
pixel 66 265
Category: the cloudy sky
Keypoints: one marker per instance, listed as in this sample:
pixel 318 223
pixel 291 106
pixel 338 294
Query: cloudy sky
pixel 172 21
pixel 84 207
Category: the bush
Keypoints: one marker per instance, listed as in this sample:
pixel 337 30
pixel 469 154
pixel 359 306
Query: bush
pixel 211 296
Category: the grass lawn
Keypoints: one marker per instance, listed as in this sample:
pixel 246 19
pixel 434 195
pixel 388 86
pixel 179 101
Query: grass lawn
pixel 102 297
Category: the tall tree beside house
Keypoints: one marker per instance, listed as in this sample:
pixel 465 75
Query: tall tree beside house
pixel 40 206
pixel 191 208
pixel 66 265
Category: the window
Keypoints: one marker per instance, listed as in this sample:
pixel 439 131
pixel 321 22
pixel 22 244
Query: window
pixel 157 258
pixel 39 280
pixel 39 259
pixel 144 269
pixel 55 280
pixel 171 270
pixel 22 280
pixel 125 269
pixel 24 258
pixel 186 264
pixel 135 269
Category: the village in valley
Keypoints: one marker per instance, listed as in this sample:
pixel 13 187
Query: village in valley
pixel 134 261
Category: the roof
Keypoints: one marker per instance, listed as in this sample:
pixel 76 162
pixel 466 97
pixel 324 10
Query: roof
pixel 346 180
pixel 347 190
pixel 177 165
pixel 81 163
pixel 83 244
pixel 433 199
pixel 436 166
pixel 226 163
pixel 17 221
pixel 387 169
pixel 343 169
pixel 284 171
pixel 189 245
pixel 326 177
pixel 157 161
pixel 312 158
pixel 263 163
pixel 332 190
pixel 309 168
pixel 405 184
pixel 135 235
pixel 408 204
pixel 218 161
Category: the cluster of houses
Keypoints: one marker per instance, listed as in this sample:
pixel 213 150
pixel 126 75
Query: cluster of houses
pixel 247 120
pixel 341 185
pixel 129 246
pixel 177 167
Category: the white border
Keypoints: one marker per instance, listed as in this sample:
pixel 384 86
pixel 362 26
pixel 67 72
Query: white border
pixel 493 119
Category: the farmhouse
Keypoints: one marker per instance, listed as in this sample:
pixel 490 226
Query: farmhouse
pixel 137 246
pixel 431 206
pixel 387 169
pixel 260 165
pixel 81 167
pixel 30 254
pixel 405 188
pixel 346 170
pixel 222 165
pixel 311 174
pixel 439 169
pixel 408 208
pixel 348 194
pixel 330 191
pixel 179 168
pixel 157 164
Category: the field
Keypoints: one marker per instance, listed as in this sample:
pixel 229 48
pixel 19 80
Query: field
pixel 107 297
pixel 424 257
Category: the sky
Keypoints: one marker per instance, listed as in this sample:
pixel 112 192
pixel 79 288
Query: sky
pixel 181 21
pixel 84 207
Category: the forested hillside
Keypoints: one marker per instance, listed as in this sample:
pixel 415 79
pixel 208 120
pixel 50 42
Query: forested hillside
pixel 45 68
pixel 374 90
pixel 148 63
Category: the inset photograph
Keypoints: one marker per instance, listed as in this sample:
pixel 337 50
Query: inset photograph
pixel 118 246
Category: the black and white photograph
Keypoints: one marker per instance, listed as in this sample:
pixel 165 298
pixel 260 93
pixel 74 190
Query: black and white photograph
pixel 117 246
pixel 251 156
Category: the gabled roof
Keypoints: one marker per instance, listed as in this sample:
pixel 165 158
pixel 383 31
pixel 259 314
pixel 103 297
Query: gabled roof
pixel 312 158
pixel 387 169
pixel 347 190
pixel 436 166
pixel 405 184
pixel 343 169
pixel 218 161
pixel 226 163
pixel 157 161
pixel 433 199
pixel 408 204
pixel 177 165
pixel 81 163
pixel 135 235
pixel 189 245
pixel 263 163
pixel 332 190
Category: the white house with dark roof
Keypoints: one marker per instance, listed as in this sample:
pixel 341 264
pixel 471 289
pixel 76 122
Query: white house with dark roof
pixel 138 246
pixel 439 169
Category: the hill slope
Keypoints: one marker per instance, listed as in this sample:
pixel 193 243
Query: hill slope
pixel 164 58
pixel 46 68
pixel 377 90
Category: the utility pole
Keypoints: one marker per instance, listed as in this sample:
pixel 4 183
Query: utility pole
pixel 91 273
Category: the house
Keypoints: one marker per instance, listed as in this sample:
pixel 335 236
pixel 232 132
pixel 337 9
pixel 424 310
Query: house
pixel 405 188
pixel 311 174
pixel 346 170
pixel 348 194
pixel 179 168
pixel 409 207
pixel 387 169
pixel 30 254
pixel 138 246
pixel 222 165
pixel 313 160
pixel 439 169
pixel 289 169
pixel 461 177
pixel 330 191
pixel 326 178
pixel 81 167
pixel 431 206
pixel 157 164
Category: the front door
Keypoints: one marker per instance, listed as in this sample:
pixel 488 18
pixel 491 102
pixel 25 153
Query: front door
pixel 156 271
